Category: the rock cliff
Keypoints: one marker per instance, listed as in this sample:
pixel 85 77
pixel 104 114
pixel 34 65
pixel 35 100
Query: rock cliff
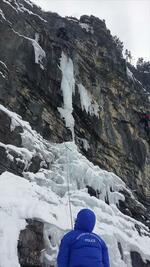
pixel 105 105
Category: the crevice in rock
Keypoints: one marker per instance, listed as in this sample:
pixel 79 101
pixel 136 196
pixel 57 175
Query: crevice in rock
pixel 137 260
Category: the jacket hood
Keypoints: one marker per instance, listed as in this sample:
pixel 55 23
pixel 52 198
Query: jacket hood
pixel 85 220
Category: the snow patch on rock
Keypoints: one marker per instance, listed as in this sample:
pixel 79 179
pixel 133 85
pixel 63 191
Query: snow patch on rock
pixel 3 64
pixel 86 27
pixel 2 14
pixel 84 143
pixel 19 7
pixel 130 74
pixel 40 54
pixel 8 2
pixel 29 2
pixel 72 19
pixel 3 76
pixel 24 9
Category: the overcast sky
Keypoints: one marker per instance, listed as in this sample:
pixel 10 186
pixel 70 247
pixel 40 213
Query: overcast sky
pixel 128 19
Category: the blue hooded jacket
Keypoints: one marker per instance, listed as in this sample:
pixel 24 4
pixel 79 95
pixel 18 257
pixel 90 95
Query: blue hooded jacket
pixel 82 248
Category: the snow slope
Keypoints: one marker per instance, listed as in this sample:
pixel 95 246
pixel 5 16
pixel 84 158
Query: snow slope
pixel 44 196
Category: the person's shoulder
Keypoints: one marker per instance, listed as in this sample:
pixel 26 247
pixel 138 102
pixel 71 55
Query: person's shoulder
pixel 100 240
pixel 69 235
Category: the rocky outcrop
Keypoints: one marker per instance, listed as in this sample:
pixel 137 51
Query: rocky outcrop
pixel 30 244
pixel 137 260
pixel 134 209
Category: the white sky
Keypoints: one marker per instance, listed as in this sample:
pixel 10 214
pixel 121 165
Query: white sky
pixel 128 19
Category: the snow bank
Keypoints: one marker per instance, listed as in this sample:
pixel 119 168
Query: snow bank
pixel 19 199
pixel 44 196
pixel 67 87
pixel 87 101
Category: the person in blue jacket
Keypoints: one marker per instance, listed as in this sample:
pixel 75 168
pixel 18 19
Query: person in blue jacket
pixel 81 247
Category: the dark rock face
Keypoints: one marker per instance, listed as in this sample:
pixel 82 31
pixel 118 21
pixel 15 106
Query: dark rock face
pixel 142 77
pixel 117 142
pixel 137 260
pixel 92 192
pixel 30 244
pixel 134 209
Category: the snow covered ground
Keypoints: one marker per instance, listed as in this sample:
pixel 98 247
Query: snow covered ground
pixel 44 196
